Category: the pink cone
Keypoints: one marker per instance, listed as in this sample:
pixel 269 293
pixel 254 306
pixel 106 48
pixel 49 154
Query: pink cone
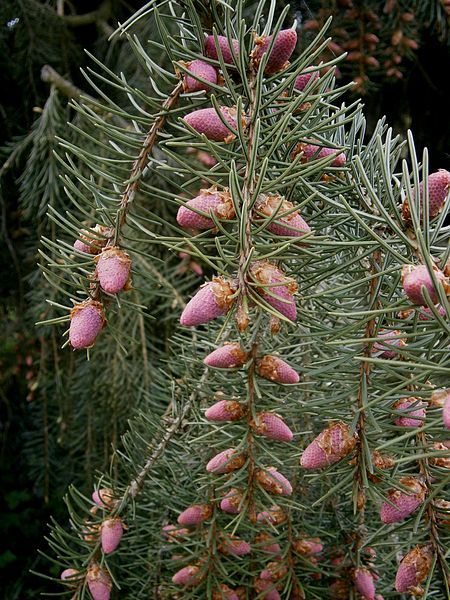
pixel 387 348
pixel 71 576
pixel 303 79
pixel 171 532
pixel 111 534
pixel 404 504
pixel 104 498
pixel 225 462
pixel 195 514
pixel 211 301
pixel 225 410
pixel 328 447
pixel 311 151
pixel 441 398
pixel 438 188
pixel 228 356
pixel 225 593
pixel 290 225
pixel 414 569
pixel 425 313
pixel 364 584
pixel 187 576
pixel 208 201
pixel 113 269
pixel 284 46
pixel 232 502
pixel 276 369
pixel 414 277
pixel 86 321
pixel 274 516
pixel 308 546
pixel 201 69
pixel 211 50
pixel 82 246
pixel 208 122
pixel 91 242
pixel 99 583
pixel 405 406
pixel 280 296
pixel 274 482
pixel 234 546
pixel 206 159
pixel 262 585
pixel 271 426
pixel 267 544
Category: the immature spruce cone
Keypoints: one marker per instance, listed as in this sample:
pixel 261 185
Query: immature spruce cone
pixel 113 270
pixel 86 321
pixel 99 583
pixel 283 47
pixel 414 277
pixel 330 446
pixel 402 504
pixel 201 69
pixel 208 201
pixel 211 301
pixel 227 52
pixel 414 569
pixel 228 356
pixel 438 188
pixel 111 534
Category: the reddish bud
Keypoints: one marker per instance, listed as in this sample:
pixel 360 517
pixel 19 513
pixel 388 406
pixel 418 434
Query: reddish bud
pixel 274 516
pixel 308 546
pixel 438 189
pixel 104 498
pixel 271 426
pixel 227 53
pixel 209 201
pixel 364 583
pixel 113 269
pixel 386 347
pixel 283 47
pixel 86 321
pixel 228 356
pixel 313 152
pixel 225 410
pixel 225 462
pixel 198 68
pixel 99 583
pixel 401 504
pixel 187 576
pixel 274 482
pixel 208 122
pixel 275 369
pixel 328 447
pixel 211 301
pixel 287 225
pixel 279 296
pixel 232 502
pixel 303 79
pixel 232 545
pixel 414 569
pixel 414 277
pixel 410 407
pixel 111 534
pixel 194 515
pixel 71 576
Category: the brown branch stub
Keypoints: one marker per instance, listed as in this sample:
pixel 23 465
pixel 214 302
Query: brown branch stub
pixel 102 13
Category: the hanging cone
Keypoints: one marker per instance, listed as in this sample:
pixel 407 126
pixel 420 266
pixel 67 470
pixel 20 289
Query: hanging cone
pixel 279 296
pixel 283 47
pixel 198 68
pixel 187 576
pixel 211 301
pixel 232 502
pixel 226 410
pixel 208 122
pixel 274 516
pixel 290 225
pixel 387 347
pixel 99 583
pixel 414 569
pixel 308 546
pixel 232 545
pixel 271 426
pixel 113 270
pixel 441 398
pixel 414 277
pixel 228 356
pixel 364 583
pixel 104 498
pixel 273 481
pixel 195 514
pixel 225 462
pixel 303 79
pixel 438 189
pixel 313 152
pixel 404 504
pixel 111 534
pixel 275 369
pixel 87 319
pixel 208 201
pixel 328 447
pixel 411 407
pixel 227 53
